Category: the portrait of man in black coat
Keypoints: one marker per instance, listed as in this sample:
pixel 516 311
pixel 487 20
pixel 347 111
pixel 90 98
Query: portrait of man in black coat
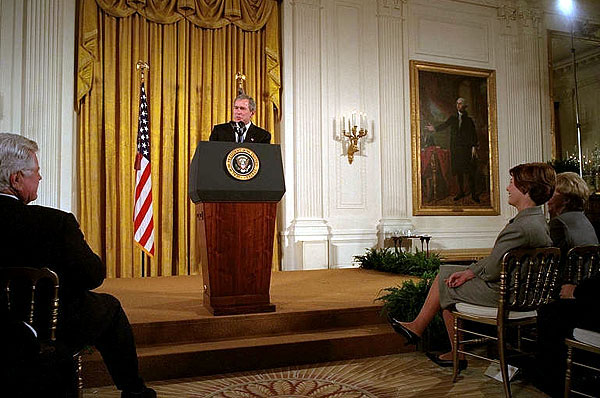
pixel 39 236
pixel 241 129
pixel 463 148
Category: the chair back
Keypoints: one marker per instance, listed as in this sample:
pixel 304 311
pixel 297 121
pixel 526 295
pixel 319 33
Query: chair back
pixel 582 263
pixel 527 279
pixel 30 295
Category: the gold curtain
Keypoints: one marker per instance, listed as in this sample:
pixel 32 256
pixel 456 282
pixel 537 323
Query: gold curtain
pixel 194 48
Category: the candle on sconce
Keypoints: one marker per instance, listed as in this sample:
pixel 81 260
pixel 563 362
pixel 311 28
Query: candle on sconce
pixel 353 118
pixel 343 122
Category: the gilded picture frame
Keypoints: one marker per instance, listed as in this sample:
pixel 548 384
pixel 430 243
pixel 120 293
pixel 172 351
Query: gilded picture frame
pixel 454 150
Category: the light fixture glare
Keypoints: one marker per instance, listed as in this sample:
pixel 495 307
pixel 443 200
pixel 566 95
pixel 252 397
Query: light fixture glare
pixel 566 7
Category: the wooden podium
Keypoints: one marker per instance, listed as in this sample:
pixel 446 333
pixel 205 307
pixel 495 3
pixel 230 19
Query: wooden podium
pixel 235 219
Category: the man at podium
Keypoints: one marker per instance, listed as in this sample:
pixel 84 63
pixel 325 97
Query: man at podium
pixel 241 129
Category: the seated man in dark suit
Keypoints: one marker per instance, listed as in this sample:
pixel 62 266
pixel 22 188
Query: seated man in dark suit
pixel 37 236
pixel 241 129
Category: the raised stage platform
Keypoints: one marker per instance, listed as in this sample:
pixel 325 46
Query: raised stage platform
pixel 321 316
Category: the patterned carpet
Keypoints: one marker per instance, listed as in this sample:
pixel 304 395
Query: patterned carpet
pixel 393 376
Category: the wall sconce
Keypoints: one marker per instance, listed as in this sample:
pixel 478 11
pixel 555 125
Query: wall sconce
pixel 357 128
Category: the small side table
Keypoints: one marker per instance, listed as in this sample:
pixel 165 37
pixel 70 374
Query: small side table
pixel 423 238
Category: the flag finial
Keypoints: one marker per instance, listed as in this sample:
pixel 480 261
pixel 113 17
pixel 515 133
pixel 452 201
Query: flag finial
pixel 240 79
pixel 142 65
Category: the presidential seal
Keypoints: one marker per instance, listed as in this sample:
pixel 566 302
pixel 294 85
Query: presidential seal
pixel 242 163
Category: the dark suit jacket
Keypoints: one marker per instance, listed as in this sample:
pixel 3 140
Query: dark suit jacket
pixel 224 132
pixel 38 236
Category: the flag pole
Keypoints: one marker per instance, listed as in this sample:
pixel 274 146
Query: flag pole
pixel 142 66
pixel 143 211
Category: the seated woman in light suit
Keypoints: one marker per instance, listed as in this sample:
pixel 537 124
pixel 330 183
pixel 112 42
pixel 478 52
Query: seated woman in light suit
pixel 531 185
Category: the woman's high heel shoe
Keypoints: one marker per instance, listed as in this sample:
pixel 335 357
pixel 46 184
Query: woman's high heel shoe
pixel 410 336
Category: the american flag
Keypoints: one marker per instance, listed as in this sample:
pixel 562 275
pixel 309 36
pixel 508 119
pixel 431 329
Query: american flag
pixel 143 223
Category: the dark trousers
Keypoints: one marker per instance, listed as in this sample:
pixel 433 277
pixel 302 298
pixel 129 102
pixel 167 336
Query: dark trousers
pixel 97 319
pixel 555 322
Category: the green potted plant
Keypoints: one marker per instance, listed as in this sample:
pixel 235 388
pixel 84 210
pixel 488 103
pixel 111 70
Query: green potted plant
pixel 404 301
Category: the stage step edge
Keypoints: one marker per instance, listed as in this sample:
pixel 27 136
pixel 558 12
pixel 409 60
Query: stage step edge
pixel 199 359
pixel 254 325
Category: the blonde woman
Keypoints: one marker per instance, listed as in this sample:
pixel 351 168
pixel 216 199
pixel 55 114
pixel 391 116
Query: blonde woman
pixel 569 227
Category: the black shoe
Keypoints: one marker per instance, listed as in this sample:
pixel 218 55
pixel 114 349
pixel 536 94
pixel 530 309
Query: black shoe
pixel 410 336
pixel 459 195
pixel 145 393
pixel 475 198
pixel 446 363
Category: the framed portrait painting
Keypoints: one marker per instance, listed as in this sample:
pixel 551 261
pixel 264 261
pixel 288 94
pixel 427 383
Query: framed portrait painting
pixel 454 140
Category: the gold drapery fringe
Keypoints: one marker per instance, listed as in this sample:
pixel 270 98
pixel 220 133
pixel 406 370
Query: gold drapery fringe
pixel 190 87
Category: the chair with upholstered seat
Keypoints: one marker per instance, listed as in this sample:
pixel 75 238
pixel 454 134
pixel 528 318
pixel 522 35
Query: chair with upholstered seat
pixel 29 298
pixel 583 341
pixel 527 280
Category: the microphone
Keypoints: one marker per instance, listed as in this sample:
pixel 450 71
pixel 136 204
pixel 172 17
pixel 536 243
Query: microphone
pixel 238 128
pixel 235 126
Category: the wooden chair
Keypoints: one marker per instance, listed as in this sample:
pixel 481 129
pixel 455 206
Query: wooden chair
pixel 582 262
pixel 527 280
pixel 31 295
pixel 583 340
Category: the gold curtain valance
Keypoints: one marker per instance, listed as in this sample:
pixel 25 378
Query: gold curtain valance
pixel 248 15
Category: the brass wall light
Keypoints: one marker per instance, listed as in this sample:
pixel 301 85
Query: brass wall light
pixel 356 129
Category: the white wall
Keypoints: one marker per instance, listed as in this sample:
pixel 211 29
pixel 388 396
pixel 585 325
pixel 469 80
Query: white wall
pixel 338 55
pixel 37 88
pixel 341 55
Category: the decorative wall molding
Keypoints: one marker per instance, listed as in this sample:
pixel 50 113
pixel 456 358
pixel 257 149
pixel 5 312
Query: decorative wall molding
pixel 309 3
pixel 519 80
pixel 459 35
pixel 390 8
pixel 307 114
pixel 306 232
pixel 395 129
pixel 529 19
pixel 565 66
pixel 40 54
pixel 344 245
pixel 11 60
